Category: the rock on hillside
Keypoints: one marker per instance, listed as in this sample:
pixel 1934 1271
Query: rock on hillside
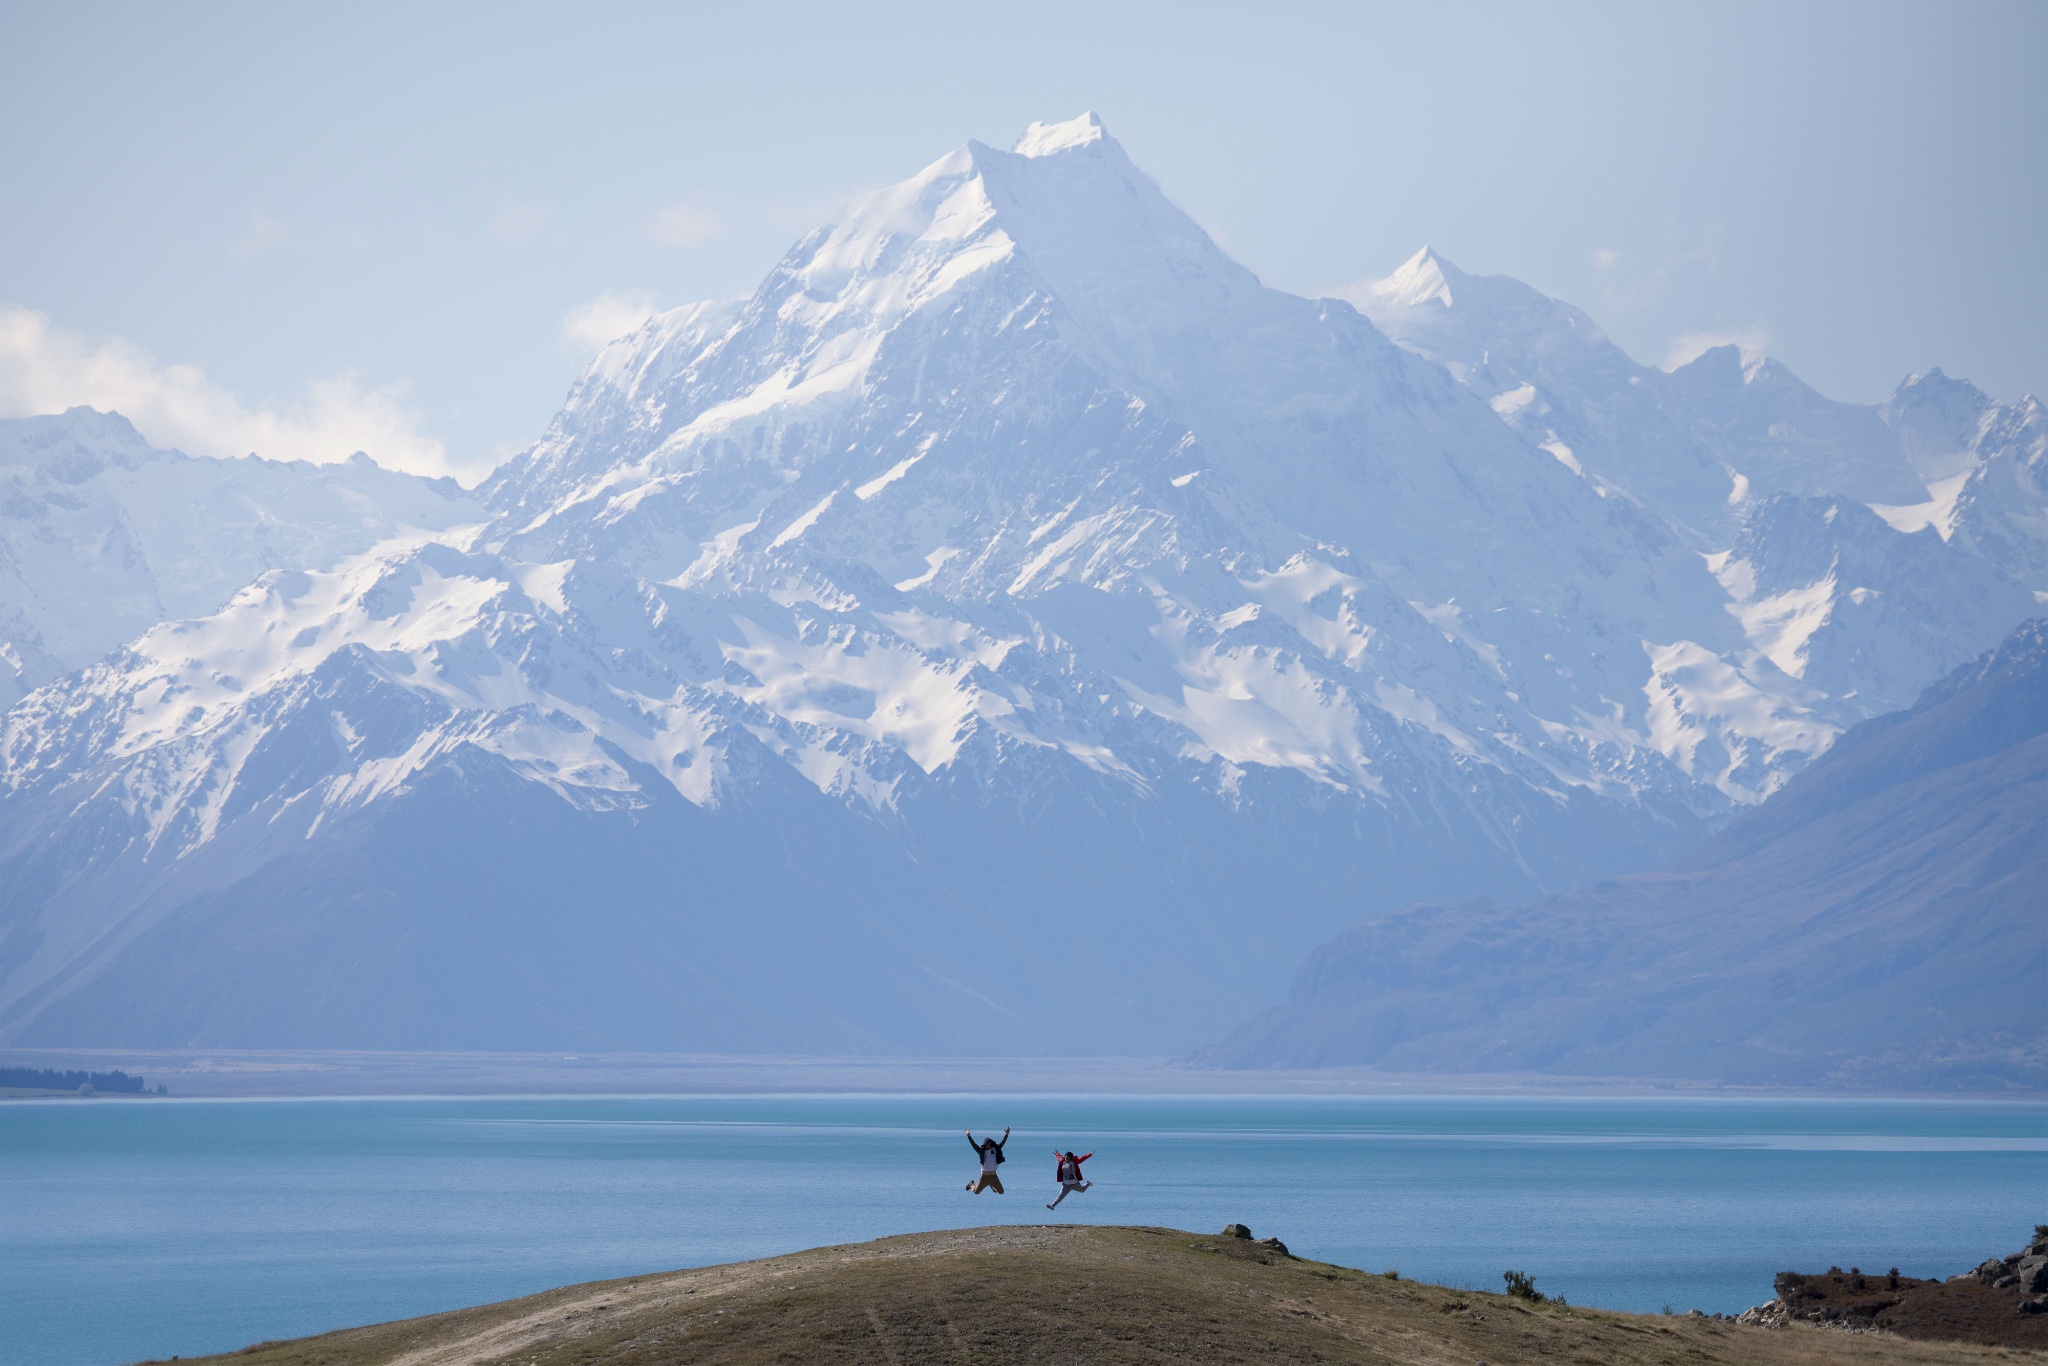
pixel 2003 1302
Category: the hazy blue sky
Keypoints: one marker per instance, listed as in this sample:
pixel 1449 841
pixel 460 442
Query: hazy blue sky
pixel 376 224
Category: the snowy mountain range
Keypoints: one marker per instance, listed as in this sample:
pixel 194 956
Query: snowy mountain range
pixel 1013 628
pixel 102 537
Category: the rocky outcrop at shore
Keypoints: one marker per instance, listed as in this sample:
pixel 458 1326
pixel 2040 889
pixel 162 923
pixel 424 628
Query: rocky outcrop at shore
pixel 2002 1302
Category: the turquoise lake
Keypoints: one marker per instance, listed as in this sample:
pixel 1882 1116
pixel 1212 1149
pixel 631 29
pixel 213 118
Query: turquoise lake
pixel 133 1229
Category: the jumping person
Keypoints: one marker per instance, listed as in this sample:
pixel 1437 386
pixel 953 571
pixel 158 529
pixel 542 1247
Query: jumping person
pixel 1067 1171
pixel 990 1151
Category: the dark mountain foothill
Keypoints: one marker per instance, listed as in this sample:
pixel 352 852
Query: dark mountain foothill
pixel 1878 923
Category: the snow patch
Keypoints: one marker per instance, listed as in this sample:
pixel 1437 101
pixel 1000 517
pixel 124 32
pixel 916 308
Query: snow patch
pixel 933 563
pixel 891 475
pixel 1514 402
pixel 1564 456
pixel 1723 723
pixel 1939 511
pixel 803 523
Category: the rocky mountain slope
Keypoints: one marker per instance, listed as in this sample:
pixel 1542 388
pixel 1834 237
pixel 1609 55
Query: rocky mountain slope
pixel 1878 922
pixel 1012 624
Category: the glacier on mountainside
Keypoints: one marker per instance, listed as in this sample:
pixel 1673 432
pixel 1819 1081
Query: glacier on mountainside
pixel 1011 621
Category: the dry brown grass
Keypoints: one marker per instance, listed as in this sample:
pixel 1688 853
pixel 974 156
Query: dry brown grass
pixel 1065 1294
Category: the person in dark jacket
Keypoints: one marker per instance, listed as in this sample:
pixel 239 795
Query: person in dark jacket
pixel 990 1151
pixel 1067 1171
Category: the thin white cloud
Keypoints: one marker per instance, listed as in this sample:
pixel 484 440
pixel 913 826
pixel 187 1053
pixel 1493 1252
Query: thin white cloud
pixel 1691 346
pixel 265 234
pixel 522 225
pixel 612 314
pixel 46 369
pixel 1605 259
pixel 685 227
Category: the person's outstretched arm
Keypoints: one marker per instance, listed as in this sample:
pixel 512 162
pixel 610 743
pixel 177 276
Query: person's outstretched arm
pixel 1082 1158
pixel 970 1141
pixel 1005 1138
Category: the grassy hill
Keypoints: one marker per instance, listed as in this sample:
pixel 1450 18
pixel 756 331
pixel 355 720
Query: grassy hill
pixel 1064 1294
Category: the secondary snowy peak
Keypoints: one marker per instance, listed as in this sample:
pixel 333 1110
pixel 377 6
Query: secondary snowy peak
pixel 1424 278
pixel 102 536
pixel 1838 599
pixel 1044 139
pixel 1548 371
pixel 1461 320
pixel 1938 420
pixel 1986 466
pixel 1752 414
pixel 2001 506
pixel 1692 442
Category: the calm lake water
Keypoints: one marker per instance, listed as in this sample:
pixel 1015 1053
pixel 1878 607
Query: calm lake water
pixel 132 1229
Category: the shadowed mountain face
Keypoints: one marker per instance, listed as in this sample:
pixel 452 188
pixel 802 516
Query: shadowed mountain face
pixel 1881 921
pixel 1012 625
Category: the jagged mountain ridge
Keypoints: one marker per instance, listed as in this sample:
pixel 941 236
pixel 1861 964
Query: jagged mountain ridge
pixel 1124 622
pixel 1775 483
pixel 1697 441
pixel 102 536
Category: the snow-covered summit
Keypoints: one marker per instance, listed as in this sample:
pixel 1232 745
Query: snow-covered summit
pixel 1070 219
pixel 1044 139
pixel 1424 278
pixel 1938 420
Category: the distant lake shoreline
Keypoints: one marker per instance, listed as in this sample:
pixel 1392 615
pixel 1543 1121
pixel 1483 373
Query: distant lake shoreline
pixel 310 1074
pixel 181 1227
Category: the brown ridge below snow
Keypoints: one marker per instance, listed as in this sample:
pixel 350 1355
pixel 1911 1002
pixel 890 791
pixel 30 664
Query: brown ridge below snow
pixel 1065 1294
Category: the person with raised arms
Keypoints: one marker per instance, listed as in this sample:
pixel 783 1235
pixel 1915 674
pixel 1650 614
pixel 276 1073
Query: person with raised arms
pixel 1067 1171
pixel 990 1151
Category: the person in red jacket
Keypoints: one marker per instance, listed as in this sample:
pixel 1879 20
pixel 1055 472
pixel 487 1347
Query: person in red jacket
pixel 990 1151
pixel 1067 1171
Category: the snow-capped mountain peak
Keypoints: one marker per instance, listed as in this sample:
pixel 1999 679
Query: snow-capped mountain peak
pixel 1044 139
pixel 1938 420
pixel 1424 278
